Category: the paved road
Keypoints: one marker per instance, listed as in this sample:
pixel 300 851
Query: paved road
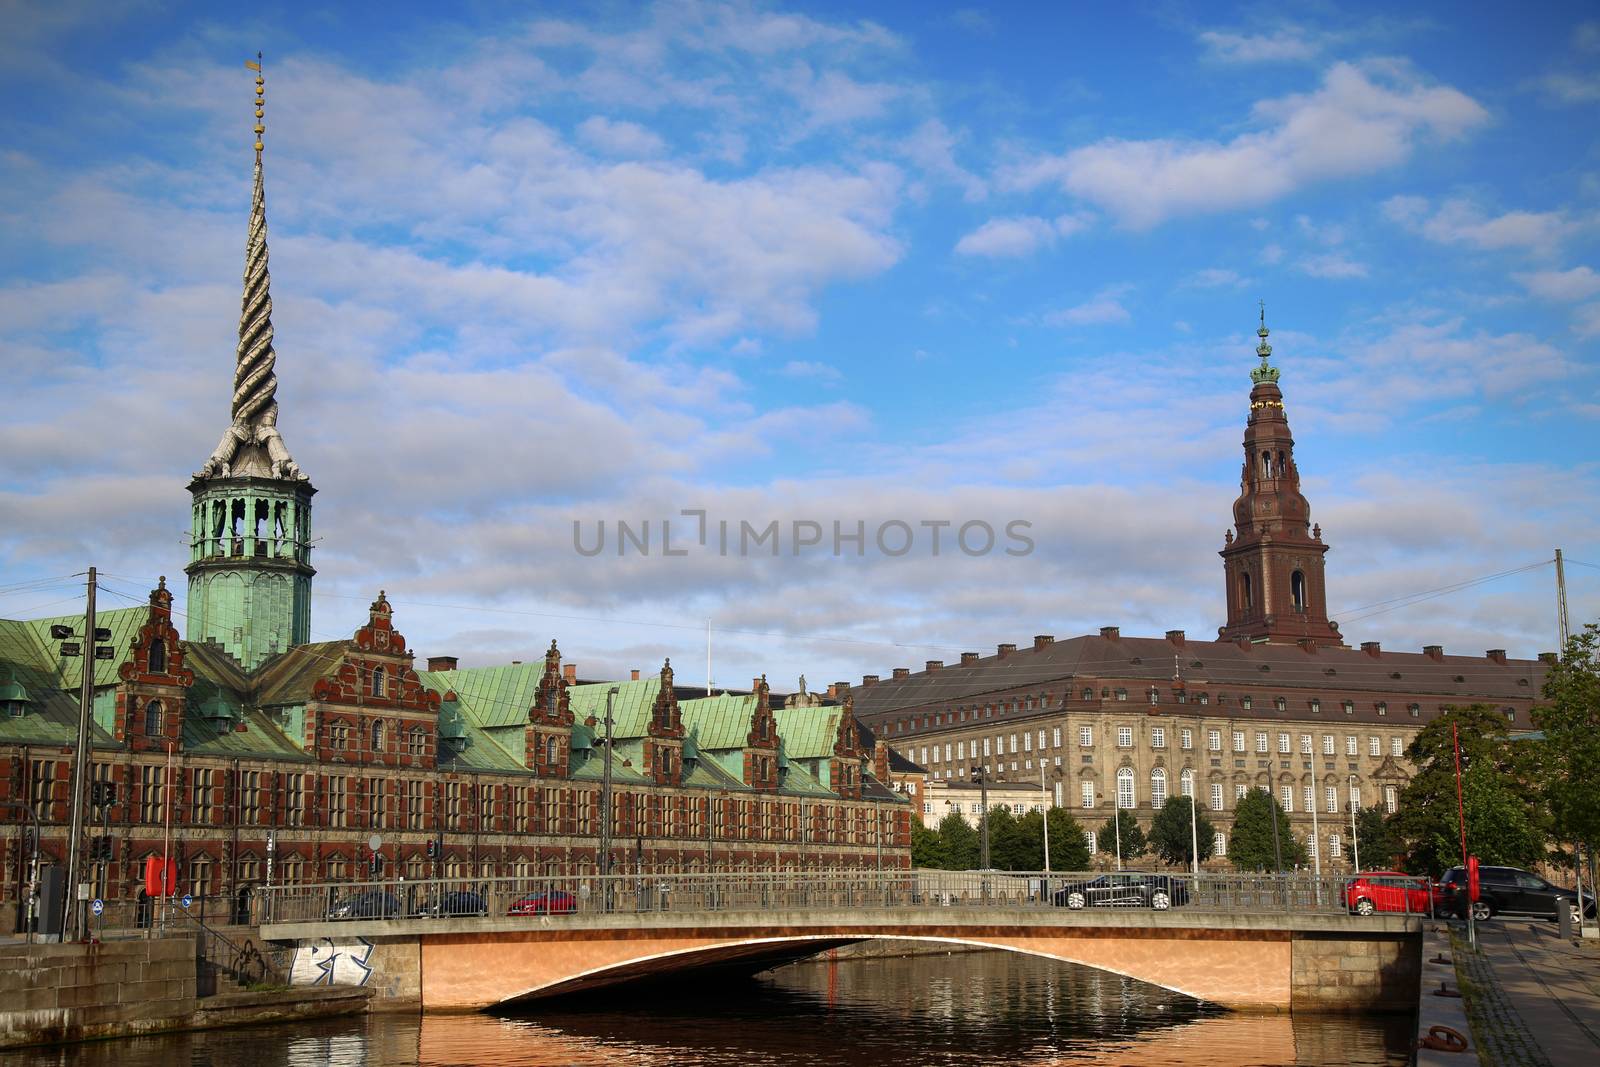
pixel 1537 1001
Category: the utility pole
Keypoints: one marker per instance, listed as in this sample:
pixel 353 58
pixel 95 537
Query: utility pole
pixel 983 815
pixel 1194 831
pixel 1047 806
pixel 605 794
pixel 1277 845
pixel 1355 841
pixel 71 921
pixel 1561 602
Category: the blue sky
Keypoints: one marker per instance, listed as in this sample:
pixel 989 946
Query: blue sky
pixel 821 263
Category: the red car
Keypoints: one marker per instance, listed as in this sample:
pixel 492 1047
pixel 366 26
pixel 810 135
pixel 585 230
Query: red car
pixel 1374 891
pixel 550 902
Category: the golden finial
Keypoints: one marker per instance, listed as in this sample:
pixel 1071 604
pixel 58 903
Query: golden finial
pixel 260 101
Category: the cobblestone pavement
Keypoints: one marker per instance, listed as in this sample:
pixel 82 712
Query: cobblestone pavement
pixel 1534 999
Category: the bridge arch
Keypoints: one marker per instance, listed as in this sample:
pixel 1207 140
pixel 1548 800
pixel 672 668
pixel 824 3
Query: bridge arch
pixel 466 972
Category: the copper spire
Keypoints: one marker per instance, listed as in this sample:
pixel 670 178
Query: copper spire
pixel 252 445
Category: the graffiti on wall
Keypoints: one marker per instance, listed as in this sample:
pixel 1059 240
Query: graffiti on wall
pixel 331 961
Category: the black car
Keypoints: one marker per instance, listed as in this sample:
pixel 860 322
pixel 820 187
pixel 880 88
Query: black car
pixel 1510 891
pixel 1124 890
pixel 454 905
pixel 373 904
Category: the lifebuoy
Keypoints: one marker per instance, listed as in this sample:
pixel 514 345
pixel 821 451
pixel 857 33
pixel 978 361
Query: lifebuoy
pixel 1444 1039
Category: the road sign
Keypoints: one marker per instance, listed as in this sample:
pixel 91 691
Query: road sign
pixel 97 906
pixel 374 842
pixel 187 900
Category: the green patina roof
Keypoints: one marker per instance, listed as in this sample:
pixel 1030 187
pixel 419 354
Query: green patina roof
pixel 28 644
pixel 207 737
pixel 809 733
pixel 630 711
pixel 798 781
pixel 491 696
pixel 476 750
pixel 718 722
pixel 28 662
pixel 707 774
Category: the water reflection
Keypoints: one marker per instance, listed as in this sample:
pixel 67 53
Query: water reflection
pixel 965 1008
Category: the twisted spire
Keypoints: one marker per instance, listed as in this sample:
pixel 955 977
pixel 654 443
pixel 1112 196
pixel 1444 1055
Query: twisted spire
pixel 252 445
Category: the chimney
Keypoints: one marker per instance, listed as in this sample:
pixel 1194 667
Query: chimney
pixel 933 665
pixel 1549 658
pixel 832 690
pixel 899 672
pixel 1003 651
pixel 968 658
pixel 1111 633
pixel 1307 644
pixel 1497 655
pixel 633 675
pixel 442 663
pixel 868 681
pixel 569 671
pixel 1372 648
pixel 1040 640
pixel 1434 652
pixel 880 761
pixel 1176 637
pixel 840 688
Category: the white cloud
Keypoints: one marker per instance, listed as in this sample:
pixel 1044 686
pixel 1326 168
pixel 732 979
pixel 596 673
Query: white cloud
pixel 1359 121
pixel 1458 221
pixel 931 147
pixel 1284 46
pixel 1007 237
pixel 1572 88
pixel 1586 321
pixel 1215 278
pixel 1330 265
pixel 1103 308
pixel 1019 235
pixel 1579 283
pixel 801 368
pixel 627 140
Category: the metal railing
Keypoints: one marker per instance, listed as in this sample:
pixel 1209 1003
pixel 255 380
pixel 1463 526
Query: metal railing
pixel 835 890
pixel 239 958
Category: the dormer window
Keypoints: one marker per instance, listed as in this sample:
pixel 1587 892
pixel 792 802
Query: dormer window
pixel 379 682
pixel 158 656
pixel 152 719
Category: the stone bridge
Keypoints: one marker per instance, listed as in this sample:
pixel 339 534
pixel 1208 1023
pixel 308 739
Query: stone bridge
pixel 1256 960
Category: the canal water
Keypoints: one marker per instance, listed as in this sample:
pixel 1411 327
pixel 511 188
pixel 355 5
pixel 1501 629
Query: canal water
pixel 974 1008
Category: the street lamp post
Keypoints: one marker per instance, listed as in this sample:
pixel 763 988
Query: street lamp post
pixel 981 774
pixel 1316 839
pixel 1277 846
pixel 1355 842
pixel 605 795
pixel 1194 830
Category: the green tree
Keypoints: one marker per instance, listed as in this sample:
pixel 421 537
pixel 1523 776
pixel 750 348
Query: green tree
pixel 1134 844
pixel 1173 838
pixel 958 844
pixel 1377 845
pixel 1506 822
pixel 1069 845
pixel 925 849
pixel 1006 852
pixel 1570 753
pixel 1030 841
pixel 1252 846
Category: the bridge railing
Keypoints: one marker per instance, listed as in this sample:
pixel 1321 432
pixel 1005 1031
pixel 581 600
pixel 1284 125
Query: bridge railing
pixel 834 890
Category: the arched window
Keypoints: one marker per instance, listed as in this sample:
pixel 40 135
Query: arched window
pixel 158 656
pixel 1245 598
pixel 1125 794
pixel 1158 787
pixel 377 736
pixel 1297 590
pixel 379 681
pixel 1266 464
pixel 553 753
pixel 152 719
pixel 1186 783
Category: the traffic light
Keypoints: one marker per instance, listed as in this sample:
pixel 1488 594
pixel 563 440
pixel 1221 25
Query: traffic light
pixel 101 848
pixel 102 794
pixel 377 863
pixel 433 848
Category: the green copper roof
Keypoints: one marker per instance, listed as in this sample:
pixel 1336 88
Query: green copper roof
pixel 809 733
pixel 718 722
pixel 29 644
pixel 219 737
pixel 491 696
pixel 630 711
pixel 706 774
pixel 797 781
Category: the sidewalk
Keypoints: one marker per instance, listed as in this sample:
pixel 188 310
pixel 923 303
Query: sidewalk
pixel 1534 999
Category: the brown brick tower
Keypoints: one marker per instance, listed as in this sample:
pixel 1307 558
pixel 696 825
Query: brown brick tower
pixel 1272 559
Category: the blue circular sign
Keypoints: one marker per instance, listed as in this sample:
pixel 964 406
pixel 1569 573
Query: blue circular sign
pixel 187 900
pixel 98 906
